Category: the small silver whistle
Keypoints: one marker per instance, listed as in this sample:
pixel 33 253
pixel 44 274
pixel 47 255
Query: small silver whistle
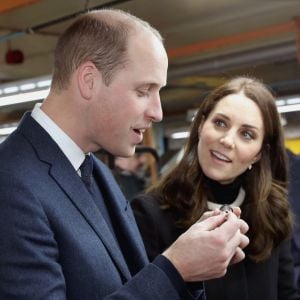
pixel 226 208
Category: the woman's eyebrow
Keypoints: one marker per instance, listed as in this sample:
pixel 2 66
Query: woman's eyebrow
pixel 243 125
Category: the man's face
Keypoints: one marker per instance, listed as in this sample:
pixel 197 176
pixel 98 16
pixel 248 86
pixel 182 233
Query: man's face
pixel 123 110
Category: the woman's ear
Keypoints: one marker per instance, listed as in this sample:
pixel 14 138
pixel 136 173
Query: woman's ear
pixel 257 157
pixel 201 126
pixel 86 79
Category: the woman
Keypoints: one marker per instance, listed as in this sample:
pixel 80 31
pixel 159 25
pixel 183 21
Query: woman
pixel 235 155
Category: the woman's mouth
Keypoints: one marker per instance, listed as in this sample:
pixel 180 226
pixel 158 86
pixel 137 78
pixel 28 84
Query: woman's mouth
pixel 220 156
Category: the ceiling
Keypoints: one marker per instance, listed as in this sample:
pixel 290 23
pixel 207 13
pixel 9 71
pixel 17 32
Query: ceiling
pixel 207 42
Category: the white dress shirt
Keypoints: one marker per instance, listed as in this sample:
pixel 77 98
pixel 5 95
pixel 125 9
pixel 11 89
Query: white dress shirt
pixel 71 150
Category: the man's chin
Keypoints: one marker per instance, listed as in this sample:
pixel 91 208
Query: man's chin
pixel 128 152
pixel 132 151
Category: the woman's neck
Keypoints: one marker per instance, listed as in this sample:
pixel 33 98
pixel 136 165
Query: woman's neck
pixel 222 193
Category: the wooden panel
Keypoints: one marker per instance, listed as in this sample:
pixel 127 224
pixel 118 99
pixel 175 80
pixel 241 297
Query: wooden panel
pixel 6 5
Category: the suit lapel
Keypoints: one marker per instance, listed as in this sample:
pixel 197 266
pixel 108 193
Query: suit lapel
pixel 80 197
pixel 128 234
pixel 66 177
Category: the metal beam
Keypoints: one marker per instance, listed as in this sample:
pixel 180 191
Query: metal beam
pixel 38 27
pixel 258 56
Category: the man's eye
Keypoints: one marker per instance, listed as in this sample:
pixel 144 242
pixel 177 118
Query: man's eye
pixel 142 93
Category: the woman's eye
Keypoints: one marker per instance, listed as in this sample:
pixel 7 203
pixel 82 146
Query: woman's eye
pixel 220 123
pixel 248 135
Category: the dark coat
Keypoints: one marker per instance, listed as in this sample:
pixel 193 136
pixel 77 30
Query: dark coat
pixel 54 243
pixel 294 198
pixel 270 280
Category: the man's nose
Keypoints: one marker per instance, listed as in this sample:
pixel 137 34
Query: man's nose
pixel 154 111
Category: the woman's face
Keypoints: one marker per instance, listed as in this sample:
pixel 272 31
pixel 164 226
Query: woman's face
pixel 230 139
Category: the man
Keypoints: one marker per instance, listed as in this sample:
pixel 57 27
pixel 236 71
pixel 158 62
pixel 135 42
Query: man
pixel 60 239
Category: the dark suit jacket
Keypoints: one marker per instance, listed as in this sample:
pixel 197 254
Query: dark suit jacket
pixel 54 243
pixel 270 280
pixel 294 198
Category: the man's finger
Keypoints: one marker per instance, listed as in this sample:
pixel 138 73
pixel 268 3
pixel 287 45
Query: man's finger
pixel 238 256
pixel 212 222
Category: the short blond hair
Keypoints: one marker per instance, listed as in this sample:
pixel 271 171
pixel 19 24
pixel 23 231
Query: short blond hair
pixel 99 36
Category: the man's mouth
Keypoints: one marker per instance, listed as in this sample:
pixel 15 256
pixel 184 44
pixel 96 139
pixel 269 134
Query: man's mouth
pixel 139 131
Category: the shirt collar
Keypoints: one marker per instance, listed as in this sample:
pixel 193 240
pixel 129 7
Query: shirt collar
pixel 71 150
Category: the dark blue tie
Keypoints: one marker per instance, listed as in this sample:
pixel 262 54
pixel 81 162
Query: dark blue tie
pixel 86 170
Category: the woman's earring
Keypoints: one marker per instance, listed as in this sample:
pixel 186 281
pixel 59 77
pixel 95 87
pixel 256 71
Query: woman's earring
pixel 250 167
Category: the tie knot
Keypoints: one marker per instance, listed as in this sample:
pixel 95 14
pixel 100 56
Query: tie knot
pixel 86 170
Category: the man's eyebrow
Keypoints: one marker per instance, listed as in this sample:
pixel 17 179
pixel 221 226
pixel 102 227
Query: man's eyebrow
pixel 150 84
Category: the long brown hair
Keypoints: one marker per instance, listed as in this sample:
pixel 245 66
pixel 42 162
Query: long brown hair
pixel 266 206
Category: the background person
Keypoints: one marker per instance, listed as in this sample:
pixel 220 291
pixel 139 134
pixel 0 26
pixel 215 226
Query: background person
pixel 235 155
pixel 69 234
pixel 130 174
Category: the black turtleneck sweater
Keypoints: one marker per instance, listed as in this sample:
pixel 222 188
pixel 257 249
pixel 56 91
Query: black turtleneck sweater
pixel 222 193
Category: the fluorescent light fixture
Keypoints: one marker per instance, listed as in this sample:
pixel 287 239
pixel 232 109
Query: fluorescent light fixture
pixel 280 102
pixel 43 83
pixel 27 86
pixel 292 101
pixel 7 130
pixel 24 97
pixel 24 90
pixel 287 105
pixel 10 89
pixel 288 108
pixel 180 135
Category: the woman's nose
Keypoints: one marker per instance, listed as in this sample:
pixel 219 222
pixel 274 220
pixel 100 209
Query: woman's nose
pixel 227 141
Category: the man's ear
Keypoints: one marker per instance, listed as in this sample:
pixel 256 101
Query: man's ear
pixel 86 79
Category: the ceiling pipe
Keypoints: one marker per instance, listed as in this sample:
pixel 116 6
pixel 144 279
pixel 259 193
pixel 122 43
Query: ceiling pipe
pixel 35 28
pixel 221 63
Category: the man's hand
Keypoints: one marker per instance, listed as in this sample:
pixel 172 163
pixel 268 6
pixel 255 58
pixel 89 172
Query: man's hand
pixel 205 250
